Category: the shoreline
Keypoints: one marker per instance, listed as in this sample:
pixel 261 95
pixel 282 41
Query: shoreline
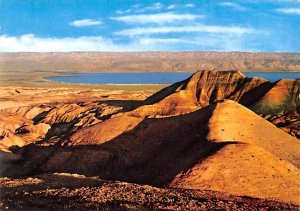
pixel 40 79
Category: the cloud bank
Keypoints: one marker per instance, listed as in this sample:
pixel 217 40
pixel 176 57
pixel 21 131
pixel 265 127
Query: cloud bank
pixel 32 43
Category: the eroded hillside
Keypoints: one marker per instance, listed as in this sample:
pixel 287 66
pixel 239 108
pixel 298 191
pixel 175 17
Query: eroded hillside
pixel 218 131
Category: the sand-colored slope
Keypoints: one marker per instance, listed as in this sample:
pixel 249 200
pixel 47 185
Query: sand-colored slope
pixel 233 122
pixel 264 161
pixel 244 169
pixel 178 103
pixel 104 131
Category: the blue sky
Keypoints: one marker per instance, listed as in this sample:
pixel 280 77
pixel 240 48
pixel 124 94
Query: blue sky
pixel 135 25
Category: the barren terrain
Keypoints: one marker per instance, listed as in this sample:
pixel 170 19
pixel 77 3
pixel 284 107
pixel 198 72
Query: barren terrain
pixel 215 140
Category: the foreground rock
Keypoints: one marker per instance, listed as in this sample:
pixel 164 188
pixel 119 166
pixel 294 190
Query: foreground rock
pixel 65 191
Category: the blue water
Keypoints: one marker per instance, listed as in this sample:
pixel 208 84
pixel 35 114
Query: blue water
pixel 124 78
pixel 151 78
pixel 274 76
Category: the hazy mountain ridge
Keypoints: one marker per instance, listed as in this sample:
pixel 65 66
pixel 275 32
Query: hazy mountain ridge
pixel 149 61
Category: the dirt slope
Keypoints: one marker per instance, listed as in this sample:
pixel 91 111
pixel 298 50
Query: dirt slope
pixel 261 163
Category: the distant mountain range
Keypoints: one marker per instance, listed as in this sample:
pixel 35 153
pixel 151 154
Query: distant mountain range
pixel 188 61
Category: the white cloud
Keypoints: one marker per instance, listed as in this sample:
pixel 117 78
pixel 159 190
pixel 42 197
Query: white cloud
pixel 189 5
pixel 185 29
pixel 30 42
pixel 85 22
pixel 159 18
pixel 154 7
pixel 292 11
pixel 232 5
pixel 172 6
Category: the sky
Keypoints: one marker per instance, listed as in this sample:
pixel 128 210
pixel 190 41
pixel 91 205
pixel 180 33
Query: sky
pixel 136 25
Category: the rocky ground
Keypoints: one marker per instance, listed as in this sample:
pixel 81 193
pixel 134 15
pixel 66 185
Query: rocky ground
pixel 67 191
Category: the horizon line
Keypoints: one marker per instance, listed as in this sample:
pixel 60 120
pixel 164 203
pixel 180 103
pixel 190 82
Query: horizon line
pixel 153 51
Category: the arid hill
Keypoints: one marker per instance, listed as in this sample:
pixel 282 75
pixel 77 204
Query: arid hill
pixel 208 132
